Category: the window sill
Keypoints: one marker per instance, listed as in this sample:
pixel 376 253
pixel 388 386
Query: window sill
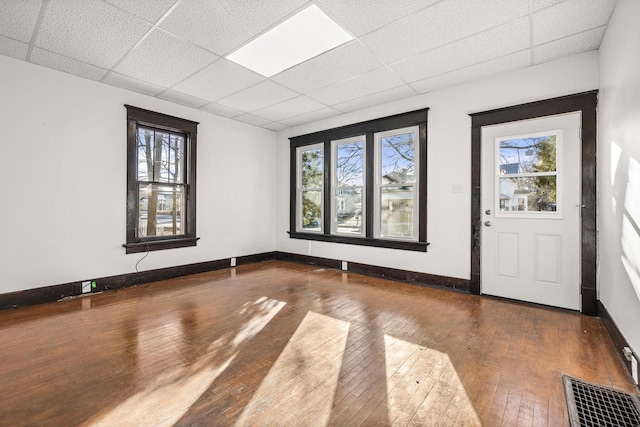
pixel 157 245
pixel 389 244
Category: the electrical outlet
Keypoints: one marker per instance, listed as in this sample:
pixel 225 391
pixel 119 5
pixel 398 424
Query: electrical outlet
pixel 233 262
pixel 634 369
pixel 456 188
pixel 344 265
pixel 86 286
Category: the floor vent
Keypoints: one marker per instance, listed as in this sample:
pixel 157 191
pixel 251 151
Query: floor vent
pixel 591 405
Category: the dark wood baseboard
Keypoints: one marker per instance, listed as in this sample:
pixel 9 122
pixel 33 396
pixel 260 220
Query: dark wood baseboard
pixel 619 340
pixel 65 290
pixel 412 277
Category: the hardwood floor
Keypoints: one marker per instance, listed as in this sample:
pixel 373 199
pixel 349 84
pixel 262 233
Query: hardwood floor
pixel 292 345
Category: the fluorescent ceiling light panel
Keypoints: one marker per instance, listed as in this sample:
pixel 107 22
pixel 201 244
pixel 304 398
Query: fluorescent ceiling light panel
pixel 297 39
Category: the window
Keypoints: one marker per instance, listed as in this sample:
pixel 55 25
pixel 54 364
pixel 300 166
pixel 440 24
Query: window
pixel 161 181
pixel 362 184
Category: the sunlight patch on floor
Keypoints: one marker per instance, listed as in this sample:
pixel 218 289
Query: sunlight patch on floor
pixel 301 384
pixel 423 387
pixel 166 399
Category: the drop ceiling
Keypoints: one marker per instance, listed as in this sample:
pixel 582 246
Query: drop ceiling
pixel 175 50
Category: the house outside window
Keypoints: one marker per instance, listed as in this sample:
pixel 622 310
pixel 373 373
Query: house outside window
pixel 161 180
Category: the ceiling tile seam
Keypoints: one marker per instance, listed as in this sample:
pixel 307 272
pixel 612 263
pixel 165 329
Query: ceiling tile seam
pixel 403 17
pixel 551 5
pixel 266 106
pixel 384 64
pixel 36 30
pixel 290 117
pixel 367 95
pixel 72 59
pixel 571 35
pixel 458 40
pixel 472 65
pixel 531 58
pixel 223 106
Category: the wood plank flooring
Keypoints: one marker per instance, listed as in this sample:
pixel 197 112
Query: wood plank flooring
pixel 284 344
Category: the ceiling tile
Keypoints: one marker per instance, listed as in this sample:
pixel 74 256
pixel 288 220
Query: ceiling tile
pixel 220 79
pixel 164 59
pixel 13 48
pixel 311 117
pixel 259 96
pixel 182 98
pixel 361 17
pixel 275 126
pixel 514 61
pixel 67 65
pixel 252 120
pixel 18 18
pixel 379 98
pixel 439 24
pixel 570 17
pixel 90 31
pixel 567 46
pixel 150 10
pixel 221 26
pixel 499 41
pixel 356 87
pixel 220 110
pixel 290 108
pixel 132 84
pixel 338 64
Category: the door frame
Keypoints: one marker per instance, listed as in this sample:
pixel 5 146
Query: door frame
pixel 585 103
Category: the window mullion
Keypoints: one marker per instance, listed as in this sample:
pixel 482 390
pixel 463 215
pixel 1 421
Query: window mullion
pixel 326 193
pixel 369 185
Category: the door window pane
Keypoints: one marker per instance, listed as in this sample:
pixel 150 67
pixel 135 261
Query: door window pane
pixel 396 212
pixel 528 155
pixel 528 194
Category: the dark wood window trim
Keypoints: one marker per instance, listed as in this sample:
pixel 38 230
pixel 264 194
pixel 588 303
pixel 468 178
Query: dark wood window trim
pixel 586 104
pixel 368 128
pixel 140 117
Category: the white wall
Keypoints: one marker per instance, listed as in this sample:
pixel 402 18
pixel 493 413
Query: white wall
pixel 619 170
pixel 63 162
pixel 449 161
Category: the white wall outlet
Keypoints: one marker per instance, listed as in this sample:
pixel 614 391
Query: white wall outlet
pixel 233 261
pixel 86 286
pixel 345 265
pixel 634 369
pixel 456 188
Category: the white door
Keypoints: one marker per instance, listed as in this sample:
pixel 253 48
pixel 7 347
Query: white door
pixel 531 210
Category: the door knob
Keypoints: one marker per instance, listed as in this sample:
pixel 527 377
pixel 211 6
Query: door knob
pixel 487 223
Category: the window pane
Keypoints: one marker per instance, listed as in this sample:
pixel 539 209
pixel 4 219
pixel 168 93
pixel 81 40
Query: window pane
pixel 349 164
pixel 160 210
pixel 145 154
pixel 528 194
pixel 311 210
pixel 398 158
pixel 396 212
pixel 348 203
pixel 312 168
pixel 171 160
pixel 528 155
